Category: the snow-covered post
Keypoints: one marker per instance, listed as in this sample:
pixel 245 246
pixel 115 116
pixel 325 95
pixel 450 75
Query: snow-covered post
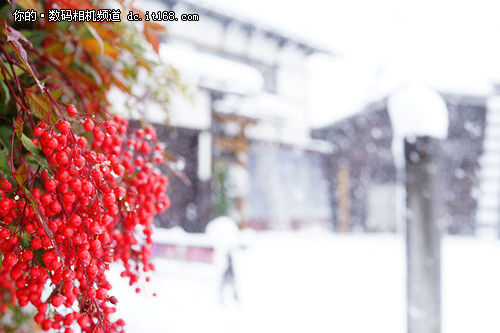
pixel 423 235
pixel 420 119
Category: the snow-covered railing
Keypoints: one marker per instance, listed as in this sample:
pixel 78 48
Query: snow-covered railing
pixel 177 244
pixel 220 238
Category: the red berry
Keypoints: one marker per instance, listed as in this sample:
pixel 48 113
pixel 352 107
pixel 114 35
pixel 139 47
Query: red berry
pixel 79 161
pixel 76 185
pixel 72 111
pixel 98 135
pixel 63 140
pixel 95 228
pixel 55 264
pixel 88 125
pixel 78 240
pixel 62 158
pixel 95 245
pixel 101 294
pixel 73 172
pixel 52 143
pixel 109 198
pixel 38 131
pixel 92 270
pixel 69 198
pixel 87 187
pixel 62 176
pixel 30 228
pixel 26 255
pixel 39 317
pixel 46 199
pixel 83 321
pixel 111 130
pixel 36 243
pixel 106 219
pixel 55 207
pixel 68 231
pixel 43 307
pixel 6 185
pixel 84 255
pixel 64 127
pixel 51 184
pixel 112 209
pixel 119 169
pixel 82 142
pixel 57 300
pixel 75 221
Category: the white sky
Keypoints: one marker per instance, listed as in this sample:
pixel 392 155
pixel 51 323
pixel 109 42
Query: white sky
pixel 450 45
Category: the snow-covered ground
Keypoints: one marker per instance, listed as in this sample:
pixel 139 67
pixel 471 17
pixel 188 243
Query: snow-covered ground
pixel 315 281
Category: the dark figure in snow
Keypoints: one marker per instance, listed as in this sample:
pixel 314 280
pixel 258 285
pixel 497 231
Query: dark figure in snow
pixel 228 278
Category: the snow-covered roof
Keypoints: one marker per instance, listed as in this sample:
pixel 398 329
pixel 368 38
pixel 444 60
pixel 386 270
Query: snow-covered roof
pixel 213 72
pixel 259 106
pixel 230 13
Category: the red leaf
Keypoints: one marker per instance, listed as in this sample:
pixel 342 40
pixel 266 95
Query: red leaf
pixel 18 127
pixel 28 4
pixel 13 37
pixel 93 45
pixel 76 4
pixel 151 37
pixel 21 174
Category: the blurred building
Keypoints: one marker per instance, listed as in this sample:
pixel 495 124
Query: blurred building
pixel 362 172
pixel 246 150
pixel 242 136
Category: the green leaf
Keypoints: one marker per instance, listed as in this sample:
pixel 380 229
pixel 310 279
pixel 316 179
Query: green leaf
pixel 34 34
pixel 23 235
pixel 39 258
pixel 37 153
pixel 133 45
pixel 4 92
pixel 21 174
pixel 4 165
pixel 28 144
pixel 5 136
pixel 25 239
pixel 40 106
pixel 57 93
pixel 31 162
pixel 17 70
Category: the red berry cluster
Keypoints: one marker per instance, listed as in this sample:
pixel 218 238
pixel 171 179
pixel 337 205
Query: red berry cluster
pixel 95 204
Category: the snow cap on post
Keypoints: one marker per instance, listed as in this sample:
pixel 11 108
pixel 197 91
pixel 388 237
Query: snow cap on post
pixel 416 110
pixel 224 232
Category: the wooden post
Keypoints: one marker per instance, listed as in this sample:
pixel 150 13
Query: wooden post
pixel 343 204
pixel 423 235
